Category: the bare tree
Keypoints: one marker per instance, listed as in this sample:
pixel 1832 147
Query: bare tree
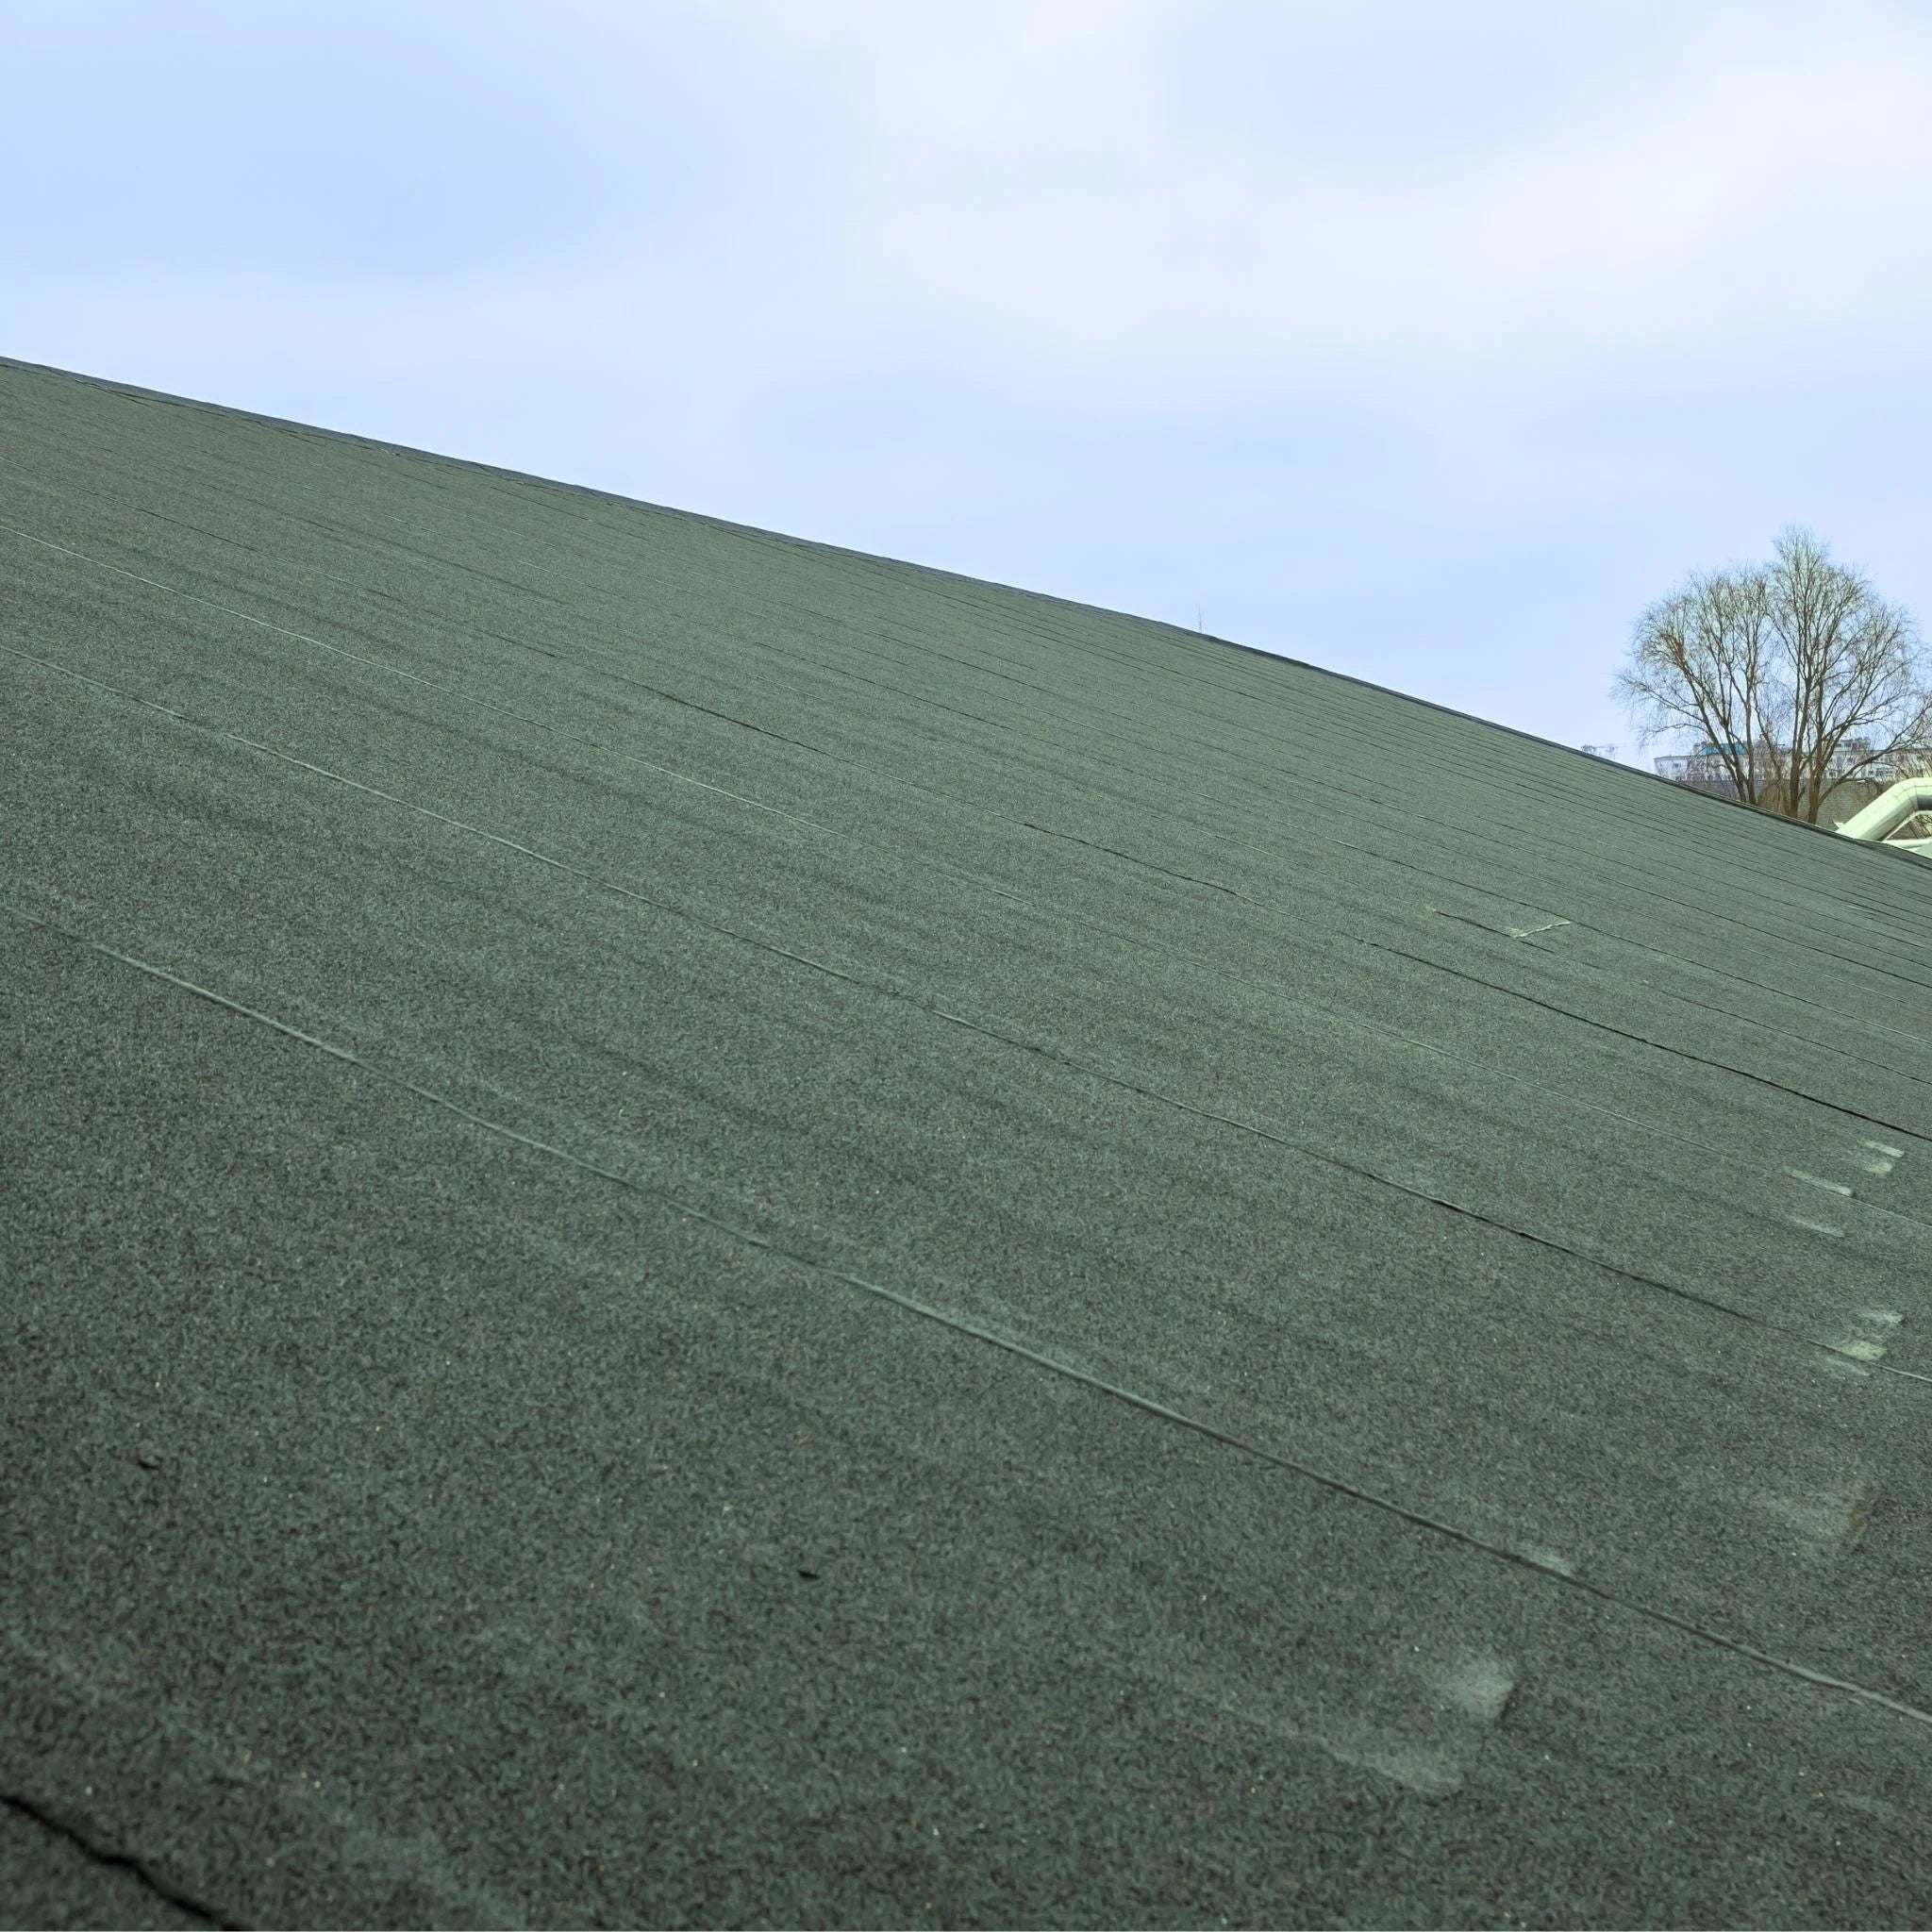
pixel 1796 676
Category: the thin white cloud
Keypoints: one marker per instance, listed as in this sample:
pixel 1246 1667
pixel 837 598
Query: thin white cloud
pixel 1046 197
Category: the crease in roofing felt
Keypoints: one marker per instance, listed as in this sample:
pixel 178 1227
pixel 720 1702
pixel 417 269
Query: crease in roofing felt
pixel 676 698
pixel 1044 1051
pixel 1831 1523
pixel 1359 1020
pixel 255 1800
pixel 577 1336
pixel 1838 1106
pixel 1513 932
pixel 144 1873
pixel 1686 999
pixel 1679 960
pixel 1679 997
pixel 1508 932
pixel 633 757
pixel 335 650
pixel 1134 858
pixel 1528 1558
pixel 1420 1721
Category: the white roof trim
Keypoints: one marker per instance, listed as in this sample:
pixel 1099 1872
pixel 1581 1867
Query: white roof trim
pixel 1892 807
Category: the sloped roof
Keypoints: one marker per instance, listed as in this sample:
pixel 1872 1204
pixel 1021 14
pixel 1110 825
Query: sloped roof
pixel 698 1229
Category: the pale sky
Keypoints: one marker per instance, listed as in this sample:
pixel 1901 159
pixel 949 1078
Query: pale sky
pixel 1424 342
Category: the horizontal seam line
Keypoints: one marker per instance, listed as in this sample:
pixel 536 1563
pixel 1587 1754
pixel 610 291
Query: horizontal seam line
pixel 304 637
pixel 1643 1040
pixel 960 1326
pixel 1044 1052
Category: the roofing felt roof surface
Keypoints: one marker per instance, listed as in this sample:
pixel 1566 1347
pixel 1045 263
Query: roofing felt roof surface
pixel 697 1229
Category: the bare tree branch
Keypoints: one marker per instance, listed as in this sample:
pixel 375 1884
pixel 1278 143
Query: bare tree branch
pixel 1796 676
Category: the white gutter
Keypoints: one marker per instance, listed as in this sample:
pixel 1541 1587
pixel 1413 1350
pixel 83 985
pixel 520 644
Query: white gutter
pixel 1891 809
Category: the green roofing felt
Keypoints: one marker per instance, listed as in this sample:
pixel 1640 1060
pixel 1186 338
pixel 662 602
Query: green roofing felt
pixel 695 1229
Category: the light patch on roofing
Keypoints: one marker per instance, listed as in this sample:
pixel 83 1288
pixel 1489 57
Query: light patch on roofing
pixel 1830 1522
pixel 1419 1723
pixel 637 919
pixel 1824 1228
pixel 1880 1158
pixel 1426 1770
pixel 1479 1687
pixel 1546 1558
pixel 1865 1347
pixel 1425 1721
pixel 1813 1180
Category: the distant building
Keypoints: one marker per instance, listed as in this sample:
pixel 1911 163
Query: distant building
pixel 1887 770
pixel 1703 766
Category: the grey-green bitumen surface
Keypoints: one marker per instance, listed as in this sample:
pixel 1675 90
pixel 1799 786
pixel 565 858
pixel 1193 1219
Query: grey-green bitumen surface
pixel 697 1230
